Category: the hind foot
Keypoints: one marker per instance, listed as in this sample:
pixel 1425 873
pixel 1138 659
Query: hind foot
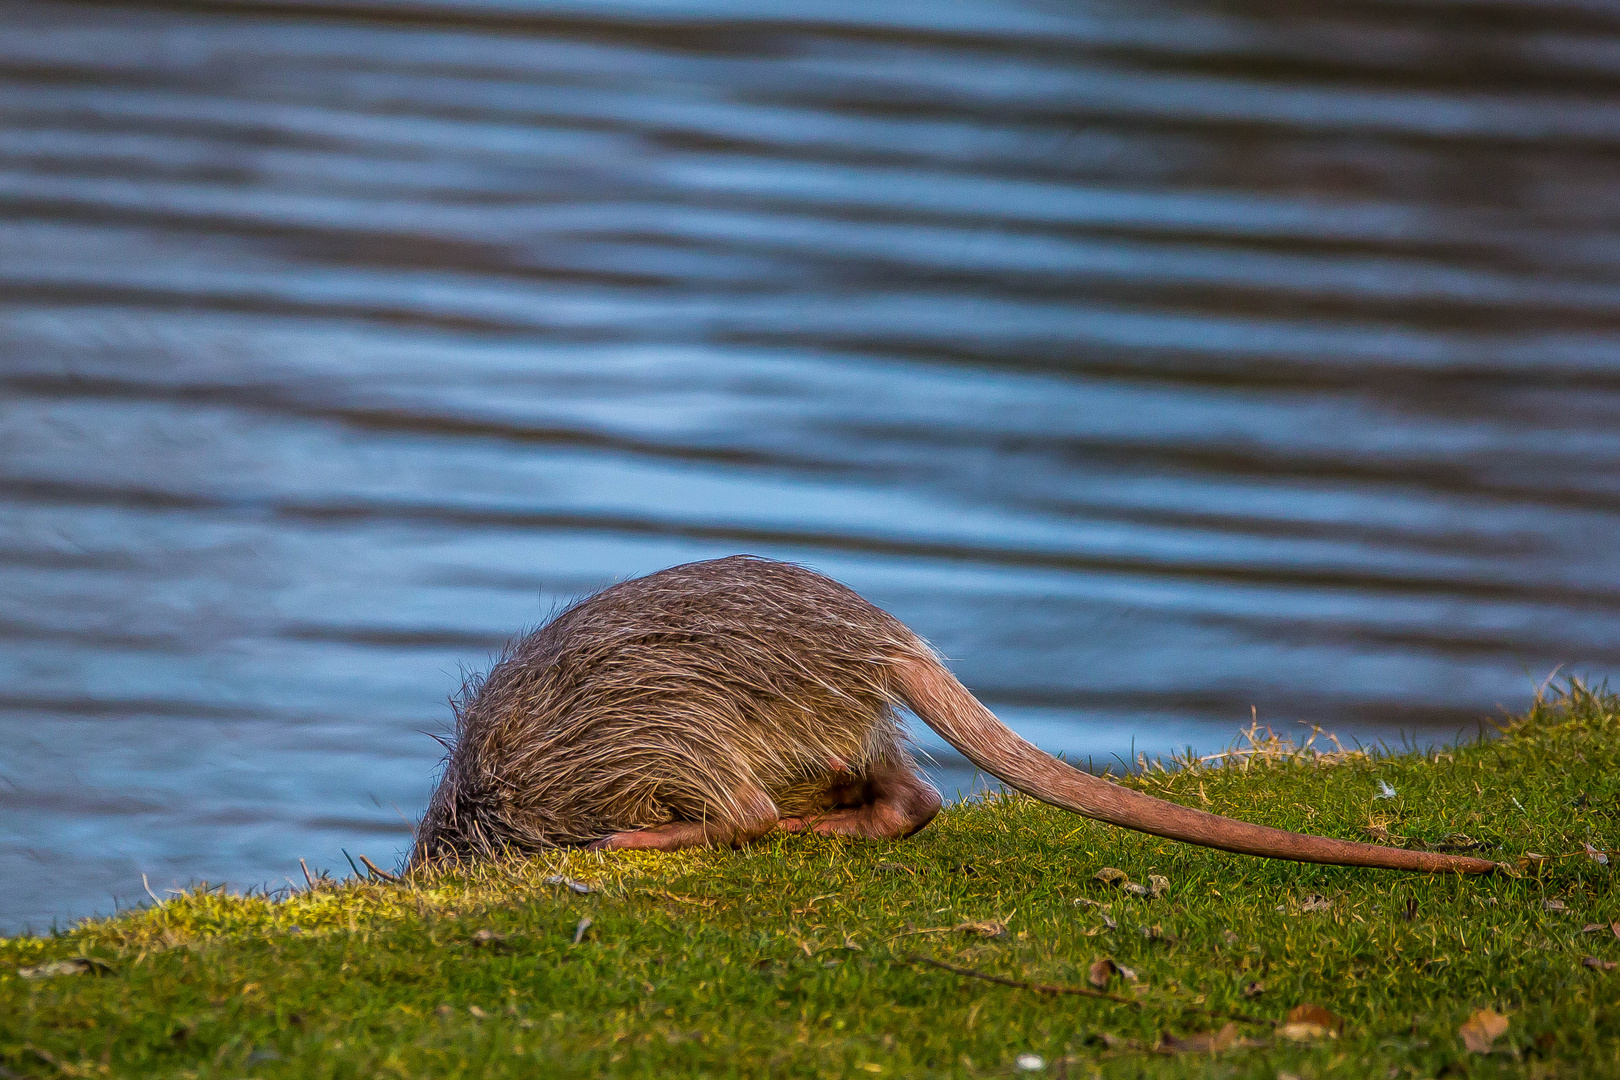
pixel 896 803
pixel 758 818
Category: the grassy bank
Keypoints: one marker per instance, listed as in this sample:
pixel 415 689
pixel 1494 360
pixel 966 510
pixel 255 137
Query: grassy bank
pixel 799 957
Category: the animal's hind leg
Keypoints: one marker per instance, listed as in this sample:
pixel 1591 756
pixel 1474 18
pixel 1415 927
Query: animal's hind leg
pixel 754 817
pixel 895 802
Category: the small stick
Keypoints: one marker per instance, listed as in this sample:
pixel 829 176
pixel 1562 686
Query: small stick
pixel 307 879
pixel 1049 988
pixel 353 867
pixel 147 886
pixel 926 930
pixel 378 872
pixel 1018 984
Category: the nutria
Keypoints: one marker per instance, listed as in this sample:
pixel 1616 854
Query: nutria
pixel 713 702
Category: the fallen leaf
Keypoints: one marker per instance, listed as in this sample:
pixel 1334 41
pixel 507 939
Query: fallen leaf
pixel 1384 790
pixel 1614 927
pixel 1593 927
pixel 1480 1031
pixel 1105 967
pixel 1159 933
pixel 1030 1063
pixel 1531 860
pixel 77 965
pixel 1315 1014
pixel 579 930
pixel 1109 876
pixel 1205 1042
pixel 1302 1031
pixel 1229 937
pixel 986 929
pixel 1087 902
pixel 1253 989
pixel 444 1010
pixel 1596 856
pixel 1315 903
pixel 1158 885
pixel 1136 890
pixel 477 1013
pixel 1554 905
pixel 577 886
pixel 1599 965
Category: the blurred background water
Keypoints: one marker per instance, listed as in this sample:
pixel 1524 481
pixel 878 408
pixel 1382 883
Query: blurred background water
pixel 1155 360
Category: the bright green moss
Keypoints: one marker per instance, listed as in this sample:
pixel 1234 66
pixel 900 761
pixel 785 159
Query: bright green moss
pixel 784 959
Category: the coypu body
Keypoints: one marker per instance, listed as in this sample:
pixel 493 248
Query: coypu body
pixel 713 702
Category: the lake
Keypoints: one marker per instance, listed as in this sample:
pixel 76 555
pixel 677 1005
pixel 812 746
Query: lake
pixel 1167 365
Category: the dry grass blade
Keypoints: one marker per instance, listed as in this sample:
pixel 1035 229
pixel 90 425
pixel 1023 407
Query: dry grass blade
pixel 1264 744
pixel 377 872
pixel 665 894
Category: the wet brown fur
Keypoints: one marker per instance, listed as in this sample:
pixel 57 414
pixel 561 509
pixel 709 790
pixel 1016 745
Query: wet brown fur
pixel 659 699
pixel 743 694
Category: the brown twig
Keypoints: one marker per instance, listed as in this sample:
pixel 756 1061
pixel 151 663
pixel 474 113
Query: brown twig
pixel 1018 984
pixel 307 879
pixel 925 930
pixel 1059 988
pixel 375 871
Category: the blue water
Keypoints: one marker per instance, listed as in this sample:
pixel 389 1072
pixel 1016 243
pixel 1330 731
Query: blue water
pixel 1159 362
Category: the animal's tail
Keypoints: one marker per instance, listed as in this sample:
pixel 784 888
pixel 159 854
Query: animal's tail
pixel 945 705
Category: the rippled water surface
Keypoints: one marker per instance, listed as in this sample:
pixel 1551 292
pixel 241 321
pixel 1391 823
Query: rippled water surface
pixel 1156 361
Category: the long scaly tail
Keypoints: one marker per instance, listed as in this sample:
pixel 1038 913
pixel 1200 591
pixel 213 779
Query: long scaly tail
pixel 945 705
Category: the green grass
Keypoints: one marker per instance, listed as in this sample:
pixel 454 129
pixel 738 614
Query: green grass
pixel 785 959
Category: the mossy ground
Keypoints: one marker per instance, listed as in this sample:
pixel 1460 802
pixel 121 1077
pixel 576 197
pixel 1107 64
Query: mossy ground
pixel 787 959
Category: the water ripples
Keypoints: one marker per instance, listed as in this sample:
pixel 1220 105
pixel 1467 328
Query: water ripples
pixel 1155 361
